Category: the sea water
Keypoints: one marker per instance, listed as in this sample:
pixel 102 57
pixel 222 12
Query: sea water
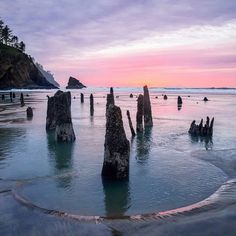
pixel 163 173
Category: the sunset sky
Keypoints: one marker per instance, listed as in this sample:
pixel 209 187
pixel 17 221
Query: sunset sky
pixel 162 43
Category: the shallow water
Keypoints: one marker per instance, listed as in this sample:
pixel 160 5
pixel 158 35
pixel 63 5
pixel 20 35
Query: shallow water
pixel 163 173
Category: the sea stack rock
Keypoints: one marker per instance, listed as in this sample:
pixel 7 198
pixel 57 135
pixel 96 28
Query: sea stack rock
pixel 147 110
pixel 131 95
pixel 73 83
pixel 165 97
pixel 3 97
pixel 29 112
pixel 202 130
pixel 205 99
pixel 22 102
pixel 117 149
pixel 82 98
pixel 59 116
pixel 91 105
pixel 139 115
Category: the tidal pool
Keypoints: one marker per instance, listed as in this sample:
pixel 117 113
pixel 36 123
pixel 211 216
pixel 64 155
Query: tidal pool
pixel 163 173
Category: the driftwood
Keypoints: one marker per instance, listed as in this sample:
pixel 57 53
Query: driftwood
pixel 130 124
pixel 202 130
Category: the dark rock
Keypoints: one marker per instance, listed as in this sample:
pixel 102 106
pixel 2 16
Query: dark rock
pixel 130 124
pixel 73 83
pixel 13 95
pixel 29 112
pixel 205 99
pixel 82 98
pixel 131 95
pixel 165 97
pixel 139 115
pixel 117 149
pixel 91 105
pixel 202 130
pixel 59 116
pixel 22 99
pixel 147 110
pixel 156 97
pixel 3 97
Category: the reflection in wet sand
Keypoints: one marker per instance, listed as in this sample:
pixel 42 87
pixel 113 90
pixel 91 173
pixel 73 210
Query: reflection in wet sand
pixel 116 197
pixel 61 155
pixel 208 141
pixel 144 143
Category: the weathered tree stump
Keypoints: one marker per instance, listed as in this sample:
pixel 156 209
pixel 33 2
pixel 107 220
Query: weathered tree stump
pixel 117 149
pixel 110 98
pixel 91 105
pixel 180 101
pixel 111 91
pixel 202 130
pixel 147 110
pixel 82 98
pixel 130 124
pixel 59 116
pixel 21 99
pixel 139 114
pixel 29 112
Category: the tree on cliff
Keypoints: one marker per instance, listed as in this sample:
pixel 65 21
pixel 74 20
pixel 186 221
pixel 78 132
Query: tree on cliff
pixel 6 35
pixel 1 28
pixel 7 38
pixel 22 46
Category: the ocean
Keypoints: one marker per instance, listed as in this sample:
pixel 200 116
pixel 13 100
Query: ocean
pixel 167 170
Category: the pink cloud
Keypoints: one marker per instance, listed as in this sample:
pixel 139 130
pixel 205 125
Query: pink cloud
pixel 181 67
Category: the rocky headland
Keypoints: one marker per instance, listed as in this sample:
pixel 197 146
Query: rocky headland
pixel 18 71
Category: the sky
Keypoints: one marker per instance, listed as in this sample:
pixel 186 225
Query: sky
pixel 162 43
